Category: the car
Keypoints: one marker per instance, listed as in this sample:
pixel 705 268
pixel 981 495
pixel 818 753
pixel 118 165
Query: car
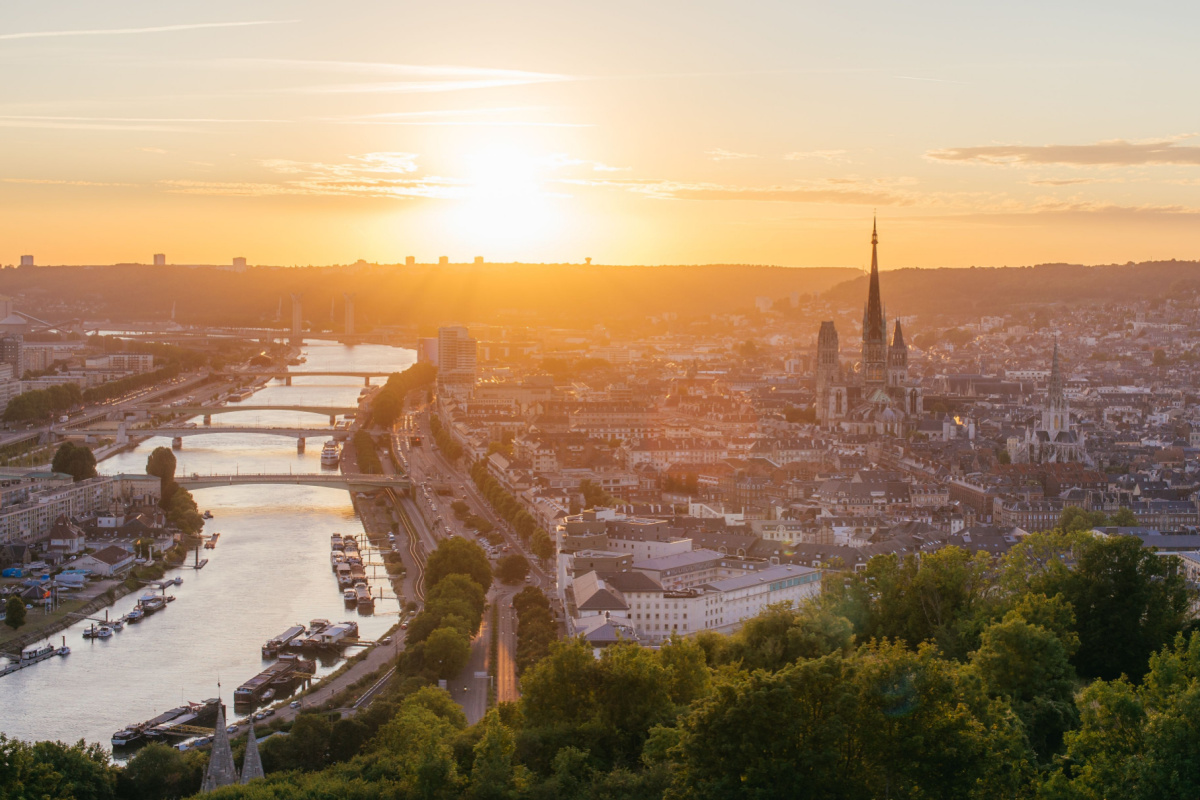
pixel 260 716
pixel 294 704
pixel 386 640
pixel 232 729
pixel 268 712
pixel 403 626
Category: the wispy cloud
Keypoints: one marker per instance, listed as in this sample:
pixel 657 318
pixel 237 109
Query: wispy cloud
pixel 156 29
pixel 562 160
pixel 58 182
pixel 1041 212
pixel 818 192
pixel 378 175
pixel 721 154
pixel 1059 181
pixel 1112 153
pixel 404 78
pixel 824 155
pixel 158 124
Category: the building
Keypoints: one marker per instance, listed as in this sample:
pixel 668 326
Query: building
pixel 160 259
pixel 29 506
pixel 1052 438
pixel 26 261
pixel 12 352
pixel 108 561
pixel 879 399
pixel 456 360
pixel 239 263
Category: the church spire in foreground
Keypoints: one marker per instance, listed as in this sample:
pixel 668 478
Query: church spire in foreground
pixel 252 763
pixel 220 770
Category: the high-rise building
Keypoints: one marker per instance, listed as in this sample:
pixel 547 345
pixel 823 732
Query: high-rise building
pixel 239 262
pixel 457 353
pixel 160 259
pixel 410 261
pixel 443 260
pixel 26 261
pixel 12 352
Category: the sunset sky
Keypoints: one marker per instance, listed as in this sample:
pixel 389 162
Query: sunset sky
pixel 629 132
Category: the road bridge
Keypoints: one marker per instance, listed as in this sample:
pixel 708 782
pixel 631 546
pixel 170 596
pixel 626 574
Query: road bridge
pixel 354 482
pixel 178 432
pixel 208 411
pixel 287 376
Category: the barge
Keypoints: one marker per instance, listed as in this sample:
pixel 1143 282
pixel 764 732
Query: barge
pixel 274 645
pixel 283 675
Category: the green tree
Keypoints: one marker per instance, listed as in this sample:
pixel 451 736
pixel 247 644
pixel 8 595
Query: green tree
pixel 541 544
pixel 781 635
pixel 1029 666
pixel 447 652
pixel 1124 518
pixel 74 460
pixel 1075 519
pixel 14 612
pixel 159 772
pixel 493 773
pixel 513 568
pixel 161 464
pixel 460 556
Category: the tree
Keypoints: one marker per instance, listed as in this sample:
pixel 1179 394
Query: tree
pixel 1075 519
pixel 447 651
pixel 458 555
pixel 513 568
pixel 159 772
pixel 161 464
pixel 1124 518
pixel 1030 667
pixel 1129 602
pixel 1159 359
pixel 74 460
pixel 14 612
pixel 493 774
pixel 541 544
pixel 183 513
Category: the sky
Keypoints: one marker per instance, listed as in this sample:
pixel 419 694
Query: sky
pixel 686 132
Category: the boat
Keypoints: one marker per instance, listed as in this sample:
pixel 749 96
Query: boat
pixel 331 454
pixel 207 514
pixel 38 652
pixel 268 695
pixel 350 596
pixel 91 632
pixel 151 603
pixel 177 722
pixel 136 615
pixel 289 669
pixel 118 625
pixel 363 599
pixel 335 542
pixel 103 632
pixel 274 645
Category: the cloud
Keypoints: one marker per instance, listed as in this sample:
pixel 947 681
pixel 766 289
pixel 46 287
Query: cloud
pixel 407 78
pixel 157 29
pixel 1044 211
pixel 1059 181
pixel 826 155
pixel 821 192
pixel 721 154
pixel 57 182
pixel 560 160
pixel 159 124
pixel 1113 153
pixel 377 175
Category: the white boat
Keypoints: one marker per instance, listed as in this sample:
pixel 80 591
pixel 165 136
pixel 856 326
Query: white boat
pixel 331 454
pixel 135 615
pixel 207 515
pixel 104 632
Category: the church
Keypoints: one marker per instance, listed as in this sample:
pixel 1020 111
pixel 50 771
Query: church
pixel 1051 438
pixel 879 398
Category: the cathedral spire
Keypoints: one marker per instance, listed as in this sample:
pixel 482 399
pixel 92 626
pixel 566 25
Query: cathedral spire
pixel 874 328
pixel 252 763
pixel 1054 398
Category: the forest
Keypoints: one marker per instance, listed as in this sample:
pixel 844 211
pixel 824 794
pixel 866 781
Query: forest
pixel 1068 669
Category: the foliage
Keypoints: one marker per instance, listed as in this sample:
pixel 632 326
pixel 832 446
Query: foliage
pixel 14 612
pixel 74 460
pixel 364 453
pixel 123 386
pixel 594 495
pixel 512 568
pixel 55 770
pixel 388 403
pixel 161 463
pixel 160 772
pixel 508 507
pixel 445 442
pixel 461 556
pixel 42 404
pixel 183 513
pixel 536 628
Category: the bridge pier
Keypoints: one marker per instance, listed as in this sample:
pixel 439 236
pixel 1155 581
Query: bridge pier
pixel 208 419
pixel 367 381
pixel 300 445
pixel 287 381
pixel 122 434
pixel 177 443
pixel 332 420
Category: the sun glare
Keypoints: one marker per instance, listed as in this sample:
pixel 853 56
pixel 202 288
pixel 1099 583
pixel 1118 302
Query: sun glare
pixel 505 201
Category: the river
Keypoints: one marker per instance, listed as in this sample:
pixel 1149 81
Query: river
pixel 269 570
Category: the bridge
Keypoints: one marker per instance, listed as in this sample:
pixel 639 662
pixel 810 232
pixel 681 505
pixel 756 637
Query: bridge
pixel 287 376
pixel 177 432
pixel 208 411
pixel 353 482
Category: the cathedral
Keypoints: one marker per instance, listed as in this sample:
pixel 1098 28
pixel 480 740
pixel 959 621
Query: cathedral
pixel 1052 438
pixel 879 398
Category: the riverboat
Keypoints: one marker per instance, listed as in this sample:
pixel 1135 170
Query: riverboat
pixel 331 454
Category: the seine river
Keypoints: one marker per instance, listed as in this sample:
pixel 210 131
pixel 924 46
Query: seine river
pixel 269 570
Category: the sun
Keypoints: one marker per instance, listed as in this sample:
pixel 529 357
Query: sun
pixel 505 202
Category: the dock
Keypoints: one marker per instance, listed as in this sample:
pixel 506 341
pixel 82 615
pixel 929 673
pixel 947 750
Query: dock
pixel 28 661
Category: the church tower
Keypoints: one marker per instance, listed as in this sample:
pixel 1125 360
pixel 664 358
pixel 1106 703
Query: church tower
pixel 874 337
pixel 1056 414
pixel 828 371
pixel 897 359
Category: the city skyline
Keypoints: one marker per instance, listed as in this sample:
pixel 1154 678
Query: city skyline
pixel 298 133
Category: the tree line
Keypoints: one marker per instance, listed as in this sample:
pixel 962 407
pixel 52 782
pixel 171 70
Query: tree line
pixel 512 511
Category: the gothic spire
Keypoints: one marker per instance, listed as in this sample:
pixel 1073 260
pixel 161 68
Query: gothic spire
pixel 252 763
pixel 874 328
pixel 220 770
pixel 898 338
pixel 1054 396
